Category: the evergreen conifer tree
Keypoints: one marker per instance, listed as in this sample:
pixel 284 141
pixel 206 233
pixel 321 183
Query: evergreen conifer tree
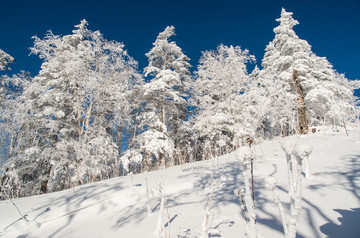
pixel 164 95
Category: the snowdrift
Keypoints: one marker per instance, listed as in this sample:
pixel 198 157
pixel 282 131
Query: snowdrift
pixel 129 206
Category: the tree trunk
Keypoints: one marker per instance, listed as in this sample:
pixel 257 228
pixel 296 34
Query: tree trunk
pixel 303 122
pixel 117 159
pixel 87 120
pixel 162 114
pixel 134 132
pixel 120 139
pixel 14 141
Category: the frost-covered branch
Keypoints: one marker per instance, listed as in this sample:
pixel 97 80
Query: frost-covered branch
pixel 247 159
pixel 239 192
pixel 205 226
pixel 270 183
pixel 5 60
pixel 161 229
pixel 295 154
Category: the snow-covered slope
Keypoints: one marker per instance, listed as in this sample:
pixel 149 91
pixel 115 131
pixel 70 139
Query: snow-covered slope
pixel 119 207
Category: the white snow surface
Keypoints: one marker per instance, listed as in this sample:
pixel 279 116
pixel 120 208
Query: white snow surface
pixel 118 207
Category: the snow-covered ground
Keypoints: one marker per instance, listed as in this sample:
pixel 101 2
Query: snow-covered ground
pixel 119 207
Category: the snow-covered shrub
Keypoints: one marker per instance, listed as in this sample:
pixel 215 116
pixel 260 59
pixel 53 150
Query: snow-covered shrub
pixel 131 161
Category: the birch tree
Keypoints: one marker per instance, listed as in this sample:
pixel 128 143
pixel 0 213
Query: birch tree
pixel 76 105
pixel 227 113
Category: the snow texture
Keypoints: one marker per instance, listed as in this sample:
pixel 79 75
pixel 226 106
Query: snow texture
pixel 119 206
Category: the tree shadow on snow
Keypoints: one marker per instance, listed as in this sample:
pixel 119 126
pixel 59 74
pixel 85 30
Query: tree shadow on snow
pixel 226 179
pixel 230 177
pixel 73 201
pixel 345 176
pixel 348 227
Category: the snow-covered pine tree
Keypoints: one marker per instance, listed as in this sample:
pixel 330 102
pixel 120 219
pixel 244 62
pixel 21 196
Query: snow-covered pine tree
pixel 227 113
pixel 281 57
pixel 287 54
pixel 164 98
pixel 75 105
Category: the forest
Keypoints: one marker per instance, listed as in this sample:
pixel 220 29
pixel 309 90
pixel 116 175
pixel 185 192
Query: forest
pixel 91 114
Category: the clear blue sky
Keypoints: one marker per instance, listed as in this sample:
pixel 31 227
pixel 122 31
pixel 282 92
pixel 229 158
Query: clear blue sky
pixel 331 27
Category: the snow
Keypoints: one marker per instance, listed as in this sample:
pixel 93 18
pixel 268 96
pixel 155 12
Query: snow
pixel 119 207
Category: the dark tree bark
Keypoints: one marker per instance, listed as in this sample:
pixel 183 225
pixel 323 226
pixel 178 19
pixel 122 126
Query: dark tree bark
pixel 303 122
